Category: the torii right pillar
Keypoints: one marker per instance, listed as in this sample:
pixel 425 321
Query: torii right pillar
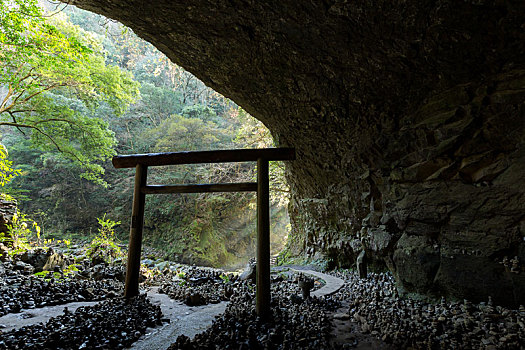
pixel 263 297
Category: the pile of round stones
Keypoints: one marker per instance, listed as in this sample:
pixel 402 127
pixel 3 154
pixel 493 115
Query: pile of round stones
pixel 202 286
pixel 26 291
pixel 375 305
pixel 294 323
pixel 199 286
pixel 112 324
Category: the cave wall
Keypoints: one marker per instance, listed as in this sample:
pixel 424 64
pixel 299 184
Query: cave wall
pixel 439 198
pixel 407 117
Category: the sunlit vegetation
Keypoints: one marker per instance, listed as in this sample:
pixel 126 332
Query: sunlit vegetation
pixel 76 89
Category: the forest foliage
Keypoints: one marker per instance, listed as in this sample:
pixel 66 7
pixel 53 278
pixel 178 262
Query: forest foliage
pixel 54 76
pixel 76 89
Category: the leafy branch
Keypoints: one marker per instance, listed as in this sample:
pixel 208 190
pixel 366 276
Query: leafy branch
pixel 56 76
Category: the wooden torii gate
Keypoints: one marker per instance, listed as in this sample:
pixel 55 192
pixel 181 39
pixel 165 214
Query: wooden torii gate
pixel 141 162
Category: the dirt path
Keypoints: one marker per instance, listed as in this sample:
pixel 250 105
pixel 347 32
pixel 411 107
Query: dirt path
pixel 183 320
pixel 10 322
pixel 332 284
pixel 187 320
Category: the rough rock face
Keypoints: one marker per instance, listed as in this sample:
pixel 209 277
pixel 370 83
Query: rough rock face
pixel 407 116
pixel 7 210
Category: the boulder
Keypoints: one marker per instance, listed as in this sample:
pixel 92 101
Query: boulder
pixel 44 259
pixel 148 262
pixel 249 272
pixel 102 271
pixel 55 261
pixel 7 210
pixel 362 269
pixel 163 265
pixel 37 257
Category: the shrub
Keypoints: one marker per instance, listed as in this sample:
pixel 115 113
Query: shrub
pixel 103 248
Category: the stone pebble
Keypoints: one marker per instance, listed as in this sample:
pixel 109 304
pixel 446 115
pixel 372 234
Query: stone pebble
pixel 294 323
pixel 402 322
pixel 111 324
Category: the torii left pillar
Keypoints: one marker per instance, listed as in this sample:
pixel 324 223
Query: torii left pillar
pixel 135 233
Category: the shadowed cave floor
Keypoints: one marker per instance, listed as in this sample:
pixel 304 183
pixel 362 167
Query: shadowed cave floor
pixel 361 314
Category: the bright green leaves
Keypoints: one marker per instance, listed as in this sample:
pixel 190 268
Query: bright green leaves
pixel 53 77
pixel 16 18
pixel 6 167
pixel 178 133
pixel 103 247
pixel 83 140
pixel 114 86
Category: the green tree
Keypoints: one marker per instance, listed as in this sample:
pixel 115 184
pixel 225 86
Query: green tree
pixel 6 167
pixel 179 133
pixel 53 75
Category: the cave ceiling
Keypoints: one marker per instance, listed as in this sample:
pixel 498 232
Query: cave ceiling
pixel 276 57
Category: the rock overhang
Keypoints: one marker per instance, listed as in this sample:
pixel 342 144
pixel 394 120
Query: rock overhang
pixel 407 117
